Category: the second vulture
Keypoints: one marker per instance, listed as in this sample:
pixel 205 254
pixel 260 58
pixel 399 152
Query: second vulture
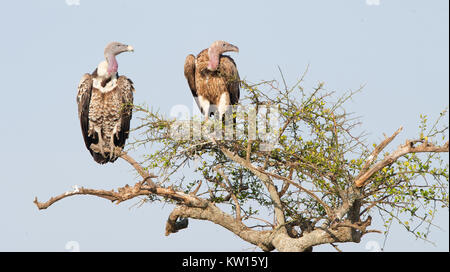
pixel 213 78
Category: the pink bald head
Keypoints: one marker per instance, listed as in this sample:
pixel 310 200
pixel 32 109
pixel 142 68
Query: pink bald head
pixel 215 50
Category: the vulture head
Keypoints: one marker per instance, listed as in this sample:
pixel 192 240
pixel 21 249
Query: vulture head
pixel 111 51
pixel 215 50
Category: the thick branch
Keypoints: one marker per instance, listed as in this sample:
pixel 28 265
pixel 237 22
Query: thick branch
pixel 342 234
pixel 213 214
pixel 127 192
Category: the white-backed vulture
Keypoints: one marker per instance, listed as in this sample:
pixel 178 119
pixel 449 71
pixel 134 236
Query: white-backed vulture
pixel 105 106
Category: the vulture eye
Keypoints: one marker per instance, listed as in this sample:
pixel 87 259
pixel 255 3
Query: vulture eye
pixel 223 45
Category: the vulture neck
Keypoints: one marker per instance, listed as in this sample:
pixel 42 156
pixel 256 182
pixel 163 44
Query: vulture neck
pixel 104 80
pixel 107 69
pixel 213 63
pixel 113 66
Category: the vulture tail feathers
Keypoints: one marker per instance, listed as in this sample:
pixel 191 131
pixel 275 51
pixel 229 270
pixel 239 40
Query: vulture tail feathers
pixel 99 158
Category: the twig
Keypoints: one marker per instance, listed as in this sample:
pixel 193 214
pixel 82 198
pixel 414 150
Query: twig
pixel 249 150
pixel 230 190
pixel 336 247
pixel 196 189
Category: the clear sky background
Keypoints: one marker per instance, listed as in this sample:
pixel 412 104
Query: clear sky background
pixel 398 48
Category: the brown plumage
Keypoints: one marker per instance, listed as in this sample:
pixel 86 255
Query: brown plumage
pixel 213 78
pixel 105 109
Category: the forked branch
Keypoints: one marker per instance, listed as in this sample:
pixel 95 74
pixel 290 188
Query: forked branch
pixel 409 147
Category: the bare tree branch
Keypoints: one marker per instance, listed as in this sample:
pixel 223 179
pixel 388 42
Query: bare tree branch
pixel 402 150
pixel 126 193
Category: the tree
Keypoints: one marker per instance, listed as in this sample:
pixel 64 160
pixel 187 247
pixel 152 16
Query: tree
pixel 292 174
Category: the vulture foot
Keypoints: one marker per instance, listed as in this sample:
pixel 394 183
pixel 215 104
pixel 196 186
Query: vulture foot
pixel 117 152
pixel 98 148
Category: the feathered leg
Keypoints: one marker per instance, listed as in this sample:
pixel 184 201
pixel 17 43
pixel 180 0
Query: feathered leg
pixel 204 106
pixel 115 151
pixel 98 148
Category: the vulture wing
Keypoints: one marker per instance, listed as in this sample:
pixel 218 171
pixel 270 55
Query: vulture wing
pixel 126 89
pixel 189 73
pixel 83 101
pixel 228 68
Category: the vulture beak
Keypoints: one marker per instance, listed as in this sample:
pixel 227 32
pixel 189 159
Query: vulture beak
pixel 234 48
pixel 130 48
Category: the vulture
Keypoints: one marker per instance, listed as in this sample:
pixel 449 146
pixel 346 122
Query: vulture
pixel 213 79
pixel 105 106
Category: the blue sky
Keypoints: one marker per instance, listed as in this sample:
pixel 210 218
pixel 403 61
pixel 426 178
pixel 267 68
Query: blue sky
pixel 398 49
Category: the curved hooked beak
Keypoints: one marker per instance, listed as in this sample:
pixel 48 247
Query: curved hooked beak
pixel 233 48
pixel 130 48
